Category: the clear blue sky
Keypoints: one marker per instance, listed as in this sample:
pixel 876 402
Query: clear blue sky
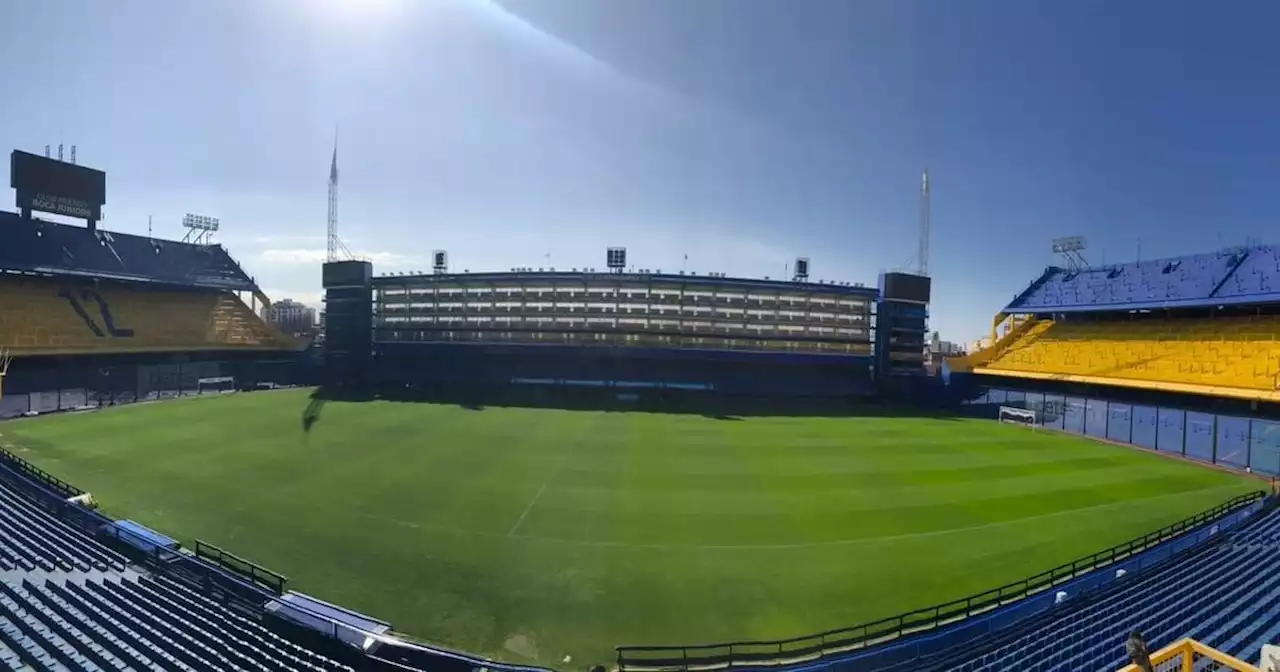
pixel 740 132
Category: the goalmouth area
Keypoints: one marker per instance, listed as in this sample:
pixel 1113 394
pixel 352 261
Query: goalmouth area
pixel 550 536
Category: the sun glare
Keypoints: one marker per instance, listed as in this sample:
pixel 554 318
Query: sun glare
pixel 359 11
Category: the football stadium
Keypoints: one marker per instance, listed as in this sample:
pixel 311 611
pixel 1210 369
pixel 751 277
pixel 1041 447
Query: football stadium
pixel 542 469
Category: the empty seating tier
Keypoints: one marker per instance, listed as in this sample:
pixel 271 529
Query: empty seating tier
pixel 41 317
pixel 1238 357
pixel 68 603
pixel 46 247
pixel 1217 596
pixel 32 539
pixel 1240 275
pixel 128 624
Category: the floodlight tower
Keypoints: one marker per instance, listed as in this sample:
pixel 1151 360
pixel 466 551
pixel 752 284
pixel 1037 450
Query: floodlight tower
pixel 331 251
pixel 335 249
pixel 1070 249
pixel 616 259
pixel 802 270
pixel 926 224
pixel 200 229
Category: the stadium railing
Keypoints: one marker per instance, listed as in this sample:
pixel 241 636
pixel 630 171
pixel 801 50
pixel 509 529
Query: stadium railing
pixel 34 473
pixel 1189 655
pixel 255 573
pixel 844 640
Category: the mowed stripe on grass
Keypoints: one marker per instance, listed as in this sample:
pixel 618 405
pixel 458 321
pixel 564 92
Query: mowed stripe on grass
pixel 529 534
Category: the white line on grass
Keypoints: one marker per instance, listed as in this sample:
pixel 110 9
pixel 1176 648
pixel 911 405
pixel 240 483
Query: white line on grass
pixel 766 547
pixel 529 508
pixel 559 465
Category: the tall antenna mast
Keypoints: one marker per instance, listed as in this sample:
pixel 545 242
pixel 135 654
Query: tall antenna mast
pixel 331 252
pixel 926 223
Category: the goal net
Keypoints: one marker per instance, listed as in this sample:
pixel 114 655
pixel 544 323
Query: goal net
pixel 5 358
pixel 1019 416
pixel 215 385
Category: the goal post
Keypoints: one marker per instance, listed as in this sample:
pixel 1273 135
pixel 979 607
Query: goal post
pixel 5 358
pixel 216 385
pixel 1019 416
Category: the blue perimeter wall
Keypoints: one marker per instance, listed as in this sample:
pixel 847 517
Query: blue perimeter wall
pixel 1226 440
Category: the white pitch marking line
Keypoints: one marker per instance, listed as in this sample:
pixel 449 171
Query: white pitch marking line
pixel 767 547
pixel 529 508
pixel 534 501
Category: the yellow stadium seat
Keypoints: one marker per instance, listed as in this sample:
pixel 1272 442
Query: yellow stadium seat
pixel 41 317
pixel 1193 355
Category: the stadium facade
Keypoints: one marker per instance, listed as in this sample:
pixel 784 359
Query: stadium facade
pixel 630 332
pixel 91 317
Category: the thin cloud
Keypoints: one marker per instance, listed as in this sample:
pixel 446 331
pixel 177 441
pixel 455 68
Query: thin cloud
pixel 317 255
pixel 277 240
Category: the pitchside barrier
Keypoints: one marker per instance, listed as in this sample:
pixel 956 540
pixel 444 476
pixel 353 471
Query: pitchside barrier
pixel 79 388
pixel 1244 444
pixel 953 624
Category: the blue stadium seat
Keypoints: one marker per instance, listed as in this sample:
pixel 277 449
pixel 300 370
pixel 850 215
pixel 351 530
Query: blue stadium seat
pixel 48 634
pixel 51 542
pixel 272 648
pixel 102 635
pixel 127 624
pixel 9 660
pixel 69 632
pixel 1214 595
pixel 137 633
pixel 1222 274
pixel 1259 273
pixel 185 634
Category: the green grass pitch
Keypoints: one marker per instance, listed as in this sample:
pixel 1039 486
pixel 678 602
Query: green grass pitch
pixel 528 535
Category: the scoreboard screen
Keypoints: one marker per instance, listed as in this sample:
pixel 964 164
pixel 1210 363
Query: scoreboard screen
pixel 49 185
pixel 906 287
pixel 346 273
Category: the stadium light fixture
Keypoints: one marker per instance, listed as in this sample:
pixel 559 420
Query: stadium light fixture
pixel 1070 248
pixel 802 269
pixel 616 259
pixel 200 222
pixel 199 228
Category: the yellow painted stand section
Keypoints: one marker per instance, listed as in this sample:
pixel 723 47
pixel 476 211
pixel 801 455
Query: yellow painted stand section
pixel 37 317
pixel 1208 390
pixel 1234 357
pixel 998 343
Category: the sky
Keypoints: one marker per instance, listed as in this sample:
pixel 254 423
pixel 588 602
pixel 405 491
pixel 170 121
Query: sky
pixel 741 133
